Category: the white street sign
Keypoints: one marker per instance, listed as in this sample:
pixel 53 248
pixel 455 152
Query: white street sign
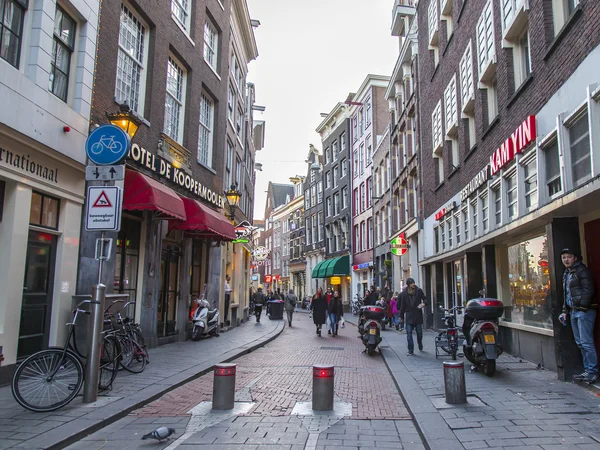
pixel 104 173
pixel 103 210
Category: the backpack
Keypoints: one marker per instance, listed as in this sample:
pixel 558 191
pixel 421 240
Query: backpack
pixel 292 301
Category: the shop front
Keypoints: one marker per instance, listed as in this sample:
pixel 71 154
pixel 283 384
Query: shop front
pixel 361 278
pixel 335 274
pixel 502 234
pixel 41 199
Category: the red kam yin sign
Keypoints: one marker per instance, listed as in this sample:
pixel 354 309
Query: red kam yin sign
pixel 519 140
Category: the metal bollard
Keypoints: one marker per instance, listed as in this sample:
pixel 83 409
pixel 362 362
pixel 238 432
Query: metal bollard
pixel 92 368
pixel 224 386
pixel 454 382
pixel 322 398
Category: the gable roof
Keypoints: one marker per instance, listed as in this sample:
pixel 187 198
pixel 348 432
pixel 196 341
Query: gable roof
pixel 280 192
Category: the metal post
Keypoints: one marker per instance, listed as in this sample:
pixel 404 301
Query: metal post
pixel 224 387
pixel 92 368
pixel 322 398
pixel 454 382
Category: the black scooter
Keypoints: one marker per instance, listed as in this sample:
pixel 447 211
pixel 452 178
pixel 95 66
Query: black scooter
pixel 480 328
pixel 369 327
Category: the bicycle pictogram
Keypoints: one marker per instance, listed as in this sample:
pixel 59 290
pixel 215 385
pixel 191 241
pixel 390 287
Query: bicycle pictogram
pixel 109 142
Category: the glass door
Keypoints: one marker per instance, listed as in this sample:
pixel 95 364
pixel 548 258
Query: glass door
pixel 37 293
pixel 127 260
pixel 169 293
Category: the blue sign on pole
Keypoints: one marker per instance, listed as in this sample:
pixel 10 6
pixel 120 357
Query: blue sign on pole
pixel 107 145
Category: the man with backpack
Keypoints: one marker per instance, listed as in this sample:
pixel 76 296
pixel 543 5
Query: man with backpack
pixel 290 305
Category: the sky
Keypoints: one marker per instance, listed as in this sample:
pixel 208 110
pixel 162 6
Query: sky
pixel 312 53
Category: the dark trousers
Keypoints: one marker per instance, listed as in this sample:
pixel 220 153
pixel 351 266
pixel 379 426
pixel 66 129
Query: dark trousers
pixel 409 336
pixel 227 300
pixel 258 311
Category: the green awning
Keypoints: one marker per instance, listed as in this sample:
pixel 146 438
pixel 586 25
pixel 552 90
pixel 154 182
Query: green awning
pixel 339 266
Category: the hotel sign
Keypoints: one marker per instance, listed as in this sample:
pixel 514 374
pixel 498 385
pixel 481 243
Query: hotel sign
pixel 173 174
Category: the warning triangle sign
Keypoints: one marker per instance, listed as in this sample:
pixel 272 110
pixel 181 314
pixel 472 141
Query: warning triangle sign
pixel 102 201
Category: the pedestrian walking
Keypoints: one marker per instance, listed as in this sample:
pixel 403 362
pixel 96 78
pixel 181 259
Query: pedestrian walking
pixel 290 305
pixel 394 308
pixel 336 311
pixel 580 303
pixel 318 306
pixel 412 302
pixel 329 296
pixel 259 300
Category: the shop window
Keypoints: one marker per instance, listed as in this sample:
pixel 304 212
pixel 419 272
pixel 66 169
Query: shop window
pixel 579 139
pixel 529 279
pixel 511 195
pixel 484 212
pixel 44 211
pixel 465 218
pixel 552 163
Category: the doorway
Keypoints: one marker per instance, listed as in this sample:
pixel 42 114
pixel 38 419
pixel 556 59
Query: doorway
pixel 592 249
pixel 169 291
pixel 37 293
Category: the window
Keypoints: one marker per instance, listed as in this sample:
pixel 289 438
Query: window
pixel 228 164
pixel 320 192
pixel 561 11
pixel 369 153
pixel 370 232
pixel 451 107
pixel 343 142
pixel 363 236
pixel 511 195
pixel 355 163
pixel 443 236
pixel 175 101
pixel 44 210
pixel 206 129
pixel 531 185
pixel 320 225
pixel 307 199
pixel 457 228
pixel 552 163
pixel 344 166
pixel 313 195
pixel 522 58
pixel 436 127
pixel 327 155
pixel 231 104
pixel 239 125
pixel 369 192
pixel 356 200
pixel 529 302
pixel 180 9
pixel 11 30
pixel 355 127
pixel 328 209
pixel 211 44
pixel 363 204
pixel 486 50
pixel 439 169
pixel 484 212
pixel 334 150
pixel 130 61
pixel 313 175
pixel 362 158
pixel 449 231
pixel 467 91
pixel 63 45
pixel 433 22
pixel 314 226
pixel 361 121
pixel 344 197
pixel 328 180
pixel 436 235
pixel 335 176
pixel 465 218
pixel 336 203
pixel 474 217
pixel 497 196
pixel 579 140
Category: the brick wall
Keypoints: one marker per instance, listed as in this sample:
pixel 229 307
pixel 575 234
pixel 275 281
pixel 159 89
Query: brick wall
pixel 551 64
pixel 165 38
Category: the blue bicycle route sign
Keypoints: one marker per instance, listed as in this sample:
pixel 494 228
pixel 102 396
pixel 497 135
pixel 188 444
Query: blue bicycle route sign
pixel 107 145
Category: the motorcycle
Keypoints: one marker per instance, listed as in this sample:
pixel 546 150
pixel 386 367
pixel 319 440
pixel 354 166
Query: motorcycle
pixel 205 320
pixel 369 327
pixel 448 339
pixel 480 328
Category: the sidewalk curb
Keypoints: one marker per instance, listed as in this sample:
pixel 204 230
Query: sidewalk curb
pixel 85 426
pixel 431 426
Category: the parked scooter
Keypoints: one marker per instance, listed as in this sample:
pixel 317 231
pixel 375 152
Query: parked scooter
pixel 480 328
pixel 369 327
pixel 205 320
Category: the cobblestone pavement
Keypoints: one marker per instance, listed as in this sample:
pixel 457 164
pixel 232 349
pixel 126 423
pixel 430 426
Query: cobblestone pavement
pixel 273 394
pixel 520 407
pixel 171 365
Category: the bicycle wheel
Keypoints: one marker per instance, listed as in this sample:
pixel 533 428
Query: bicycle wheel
pixel 137 360
pixel 139 338
pixel 127 350
pixel 109 362
pixel 34 390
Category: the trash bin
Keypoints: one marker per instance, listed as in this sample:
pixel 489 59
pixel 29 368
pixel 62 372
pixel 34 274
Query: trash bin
pixel 275 308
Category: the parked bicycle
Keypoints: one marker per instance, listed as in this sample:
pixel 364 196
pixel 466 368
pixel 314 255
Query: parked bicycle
pixel 449 338
pixel 356 304
pixel 129 334
pixel 50 379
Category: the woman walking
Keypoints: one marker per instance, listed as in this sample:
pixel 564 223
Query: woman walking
pixel 336 311
pixel 318 307
pixel 290 305
pixel 395 314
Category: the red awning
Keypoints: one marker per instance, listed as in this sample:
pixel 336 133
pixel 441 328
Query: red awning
pixel 205 222
pixel 144 193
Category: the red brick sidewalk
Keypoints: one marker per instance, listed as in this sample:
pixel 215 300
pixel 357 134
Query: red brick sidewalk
pixel 277 376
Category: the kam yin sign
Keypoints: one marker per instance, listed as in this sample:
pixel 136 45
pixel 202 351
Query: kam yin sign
pixel 177 176
pixel 524 135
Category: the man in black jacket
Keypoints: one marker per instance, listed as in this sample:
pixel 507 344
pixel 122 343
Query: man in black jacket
pixel 371 297
pixel 578 288
pixel 259 300
pixel 412 301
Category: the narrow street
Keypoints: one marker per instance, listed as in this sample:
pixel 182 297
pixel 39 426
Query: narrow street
pixel 273 395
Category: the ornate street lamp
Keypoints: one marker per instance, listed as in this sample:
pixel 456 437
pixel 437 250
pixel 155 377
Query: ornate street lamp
pixel 233 197
pixel 125 119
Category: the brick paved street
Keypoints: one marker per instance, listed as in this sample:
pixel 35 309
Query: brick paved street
pixel 271 382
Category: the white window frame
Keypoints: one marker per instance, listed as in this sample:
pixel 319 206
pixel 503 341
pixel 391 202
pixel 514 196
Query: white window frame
pixel 522 58
pixel 569 123
pixel 484 203
pixel 561 14
pixel 464 212
pixel 437 129
pixel 496 193
pixel 231 102
pixel 467 86
pixel 175 98
pixel 211 45
pixel 184 7
pixel 206 128
pixel 550 141
pixel 140 61
pixel 433 23
pixel 344 167
pixel 474 215
pixel 328 179
pixel 451 107
pixel 511 175
pixel 486 45
pixel 529 180
pixel 457 229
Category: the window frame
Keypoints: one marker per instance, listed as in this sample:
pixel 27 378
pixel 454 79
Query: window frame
pixel 211 45
pixel 187 10
pixel 209 128
pixel 69 47
pixel 22 5
pixel 180 102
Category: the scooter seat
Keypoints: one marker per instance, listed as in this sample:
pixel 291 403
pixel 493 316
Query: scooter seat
pixel 211 313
